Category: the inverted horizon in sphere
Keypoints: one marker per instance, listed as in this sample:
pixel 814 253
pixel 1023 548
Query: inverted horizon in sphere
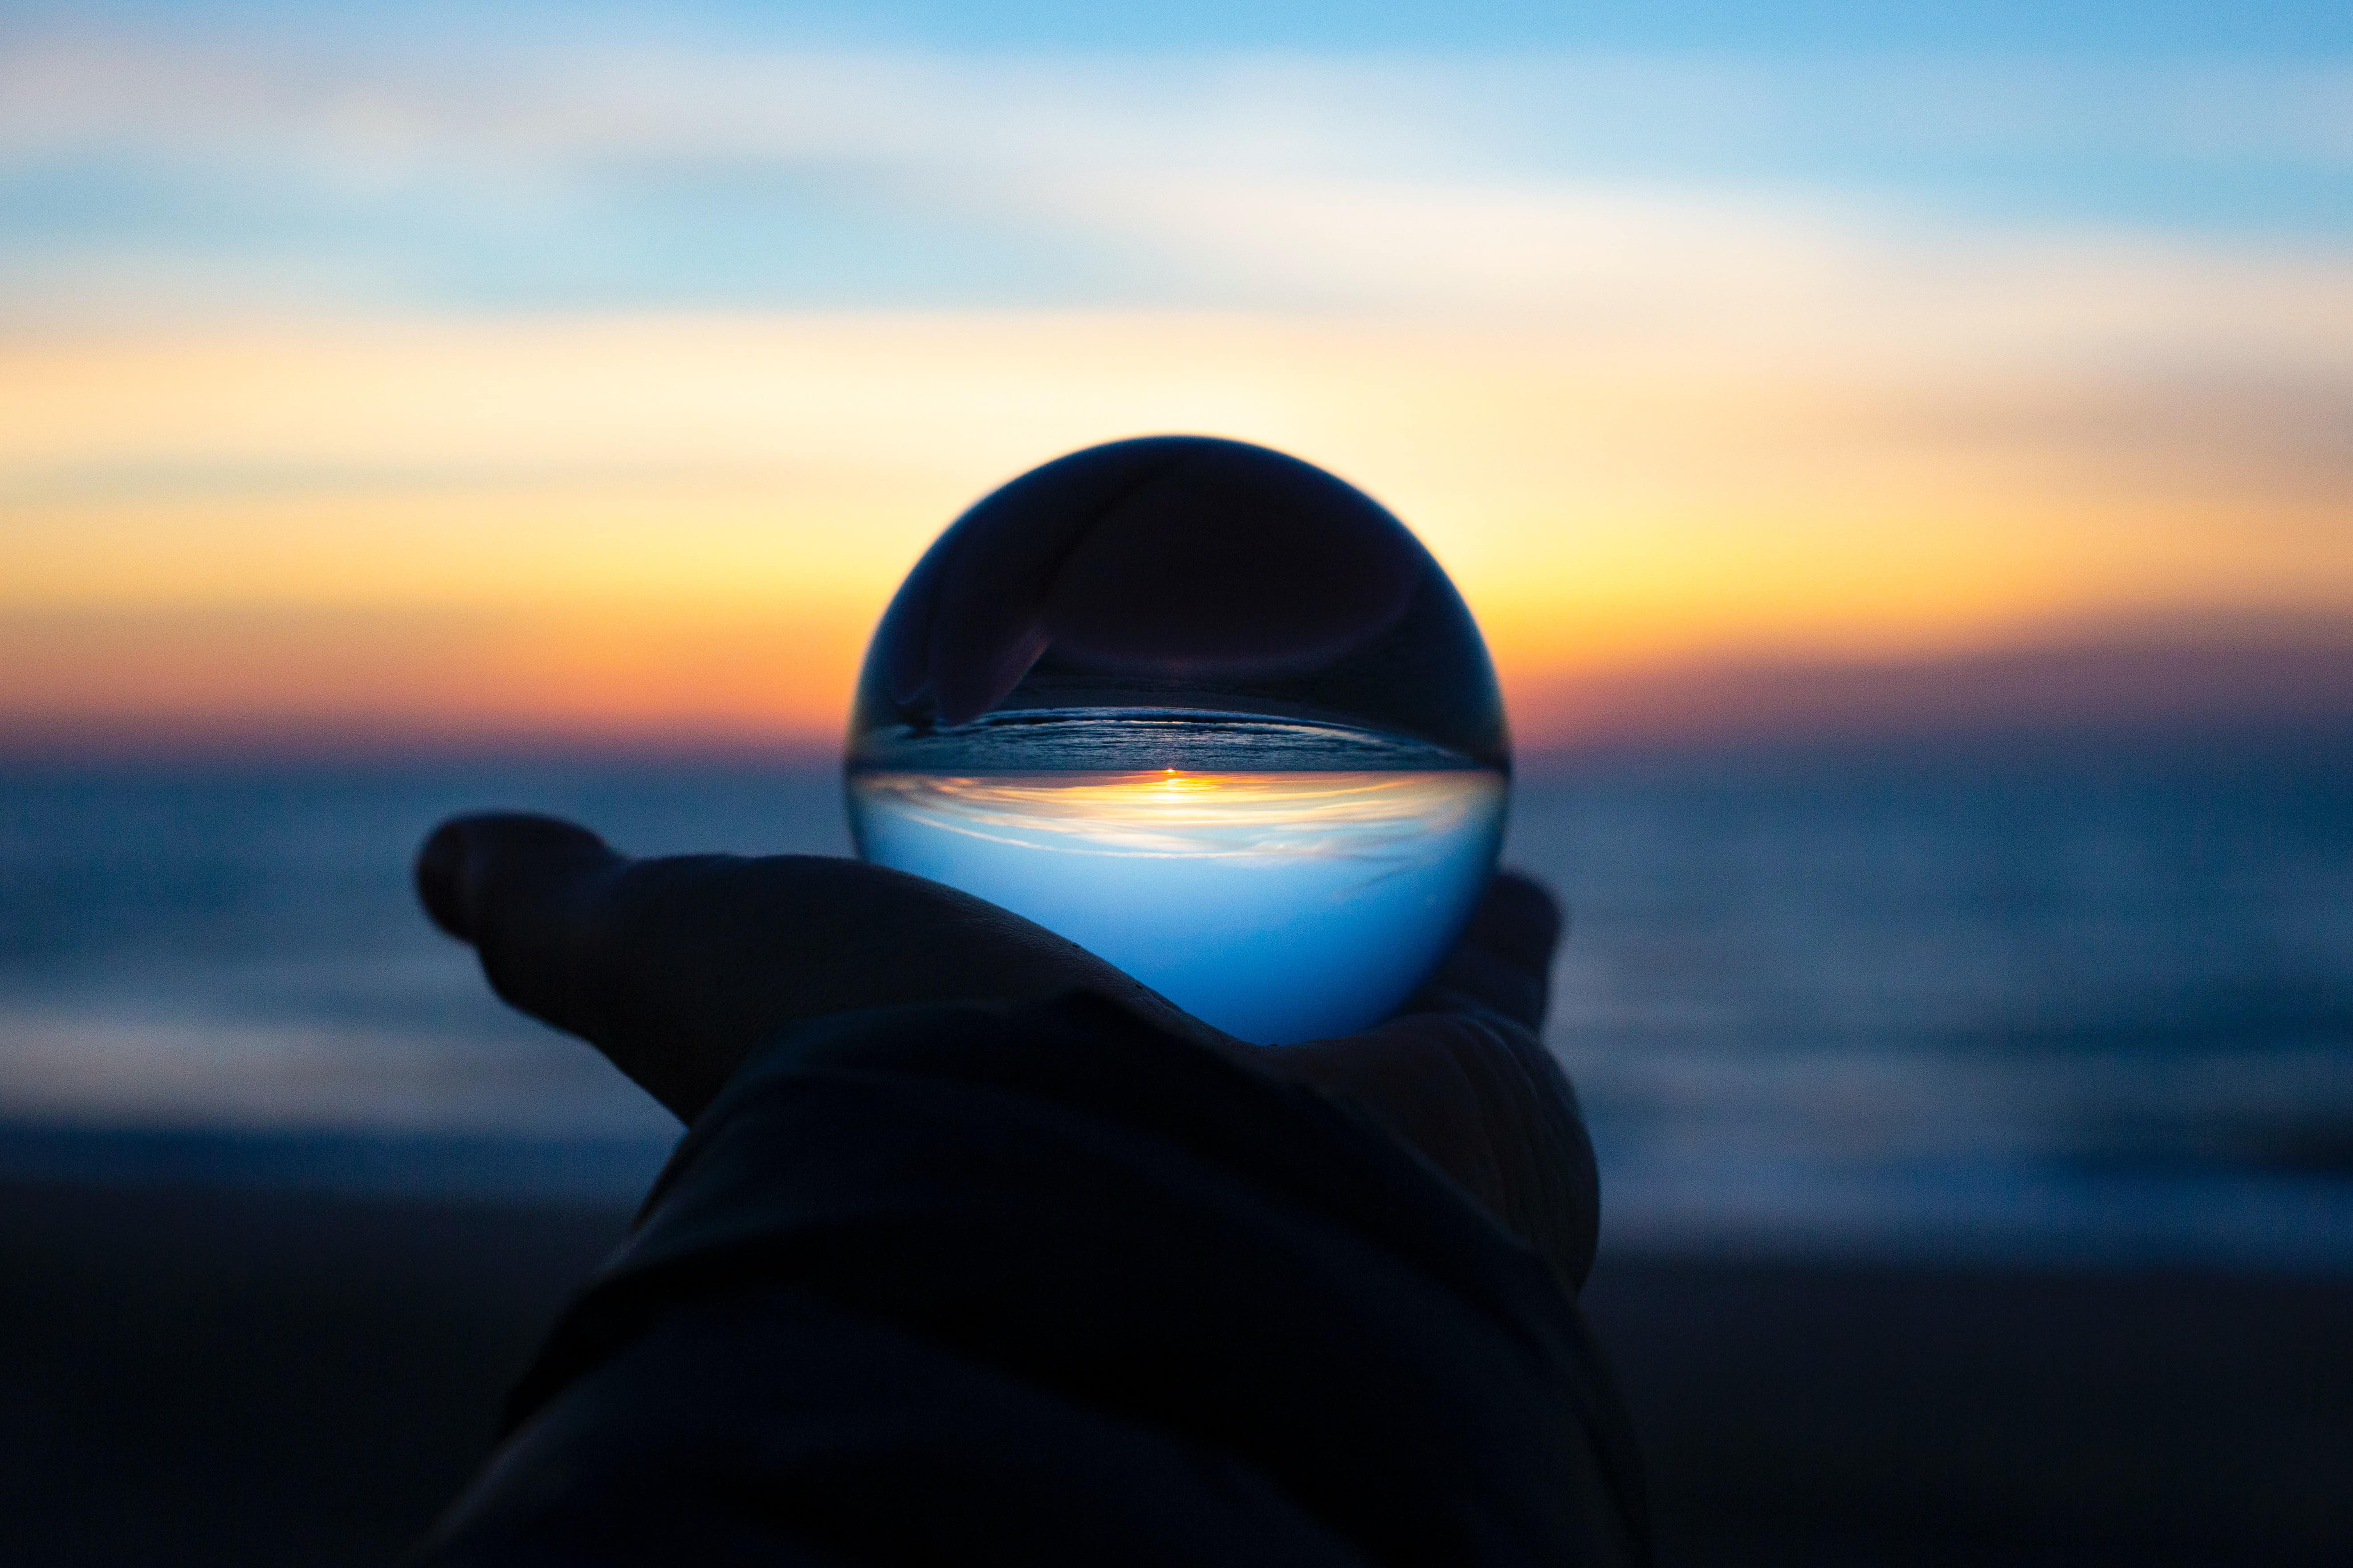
pixel 1369 817
pixel 1278 907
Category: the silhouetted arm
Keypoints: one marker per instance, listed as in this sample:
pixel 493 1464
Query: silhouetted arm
pixel 977 1251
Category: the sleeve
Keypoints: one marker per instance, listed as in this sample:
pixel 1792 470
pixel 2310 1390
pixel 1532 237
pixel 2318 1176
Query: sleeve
pixel 1043 1285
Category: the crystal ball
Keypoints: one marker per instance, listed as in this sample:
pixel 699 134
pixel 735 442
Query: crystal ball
pixel 1205 710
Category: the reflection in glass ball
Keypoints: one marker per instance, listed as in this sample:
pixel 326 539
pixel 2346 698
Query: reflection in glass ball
pixel 1203 708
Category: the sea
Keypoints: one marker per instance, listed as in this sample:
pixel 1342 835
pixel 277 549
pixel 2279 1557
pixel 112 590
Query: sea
pixel 2059 1002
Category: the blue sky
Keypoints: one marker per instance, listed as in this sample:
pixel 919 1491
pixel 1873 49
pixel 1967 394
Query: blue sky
pixel 157 159
pixel 2107 29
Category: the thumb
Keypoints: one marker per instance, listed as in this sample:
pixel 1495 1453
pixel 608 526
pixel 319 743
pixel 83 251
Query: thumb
pixel 675 968
pixel 520 891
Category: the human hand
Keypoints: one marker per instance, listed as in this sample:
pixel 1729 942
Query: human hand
pixel 676 968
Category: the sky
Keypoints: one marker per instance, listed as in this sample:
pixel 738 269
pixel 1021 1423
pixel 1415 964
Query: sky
pixel 522 371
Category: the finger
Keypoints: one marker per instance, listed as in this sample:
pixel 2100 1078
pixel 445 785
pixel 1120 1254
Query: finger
pixel 526 891
pixel 1503 961
pixel 1518 922
pixel 1463 1076
pixel 1483 1100
pixel 538 853
pixel 1547 1187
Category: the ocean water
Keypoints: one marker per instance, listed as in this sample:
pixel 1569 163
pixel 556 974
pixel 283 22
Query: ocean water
pixel 2083 1003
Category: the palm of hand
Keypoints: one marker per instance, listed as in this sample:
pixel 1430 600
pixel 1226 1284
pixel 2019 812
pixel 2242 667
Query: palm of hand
pixel 676 968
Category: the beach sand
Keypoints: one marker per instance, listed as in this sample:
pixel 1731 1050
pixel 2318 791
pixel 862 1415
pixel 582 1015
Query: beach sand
pixel 202 1377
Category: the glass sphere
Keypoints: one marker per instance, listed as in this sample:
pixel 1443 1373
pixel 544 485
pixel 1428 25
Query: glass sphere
pixel 1203 708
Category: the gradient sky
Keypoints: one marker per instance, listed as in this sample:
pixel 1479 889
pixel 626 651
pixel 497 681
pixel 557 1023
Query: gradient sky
pixel 497 370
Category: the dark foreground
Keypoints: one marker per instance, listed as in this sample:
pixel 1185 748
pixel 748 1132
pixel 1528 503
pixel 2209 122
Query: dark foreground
pixel 238 1377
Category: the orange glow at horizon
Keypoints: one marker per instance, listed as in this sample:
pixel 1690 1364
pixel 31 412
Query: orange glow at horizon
pixel 1309 814
pixel 689 524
